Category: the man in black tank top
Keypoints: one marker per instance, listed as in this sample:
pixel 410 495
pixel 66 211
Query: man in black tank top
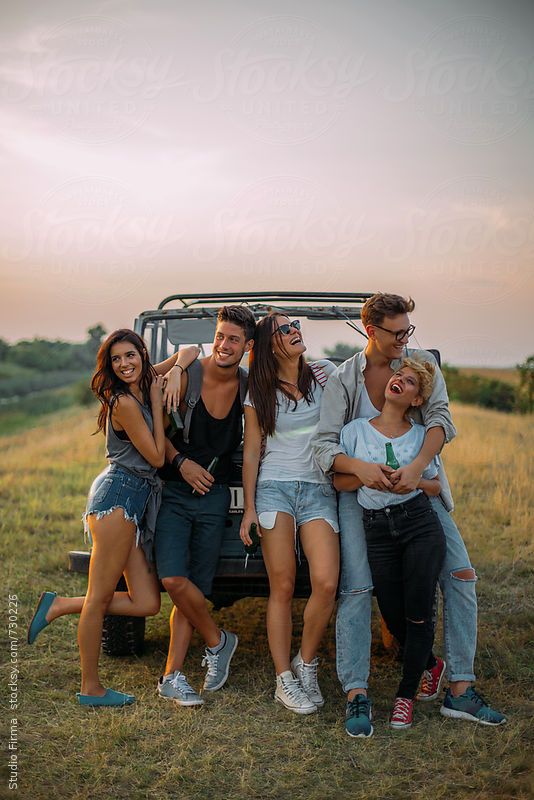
pixel 195 504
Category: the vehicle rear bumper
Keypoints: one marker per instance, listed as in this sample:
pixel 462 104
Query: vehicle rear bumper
pixel 232 581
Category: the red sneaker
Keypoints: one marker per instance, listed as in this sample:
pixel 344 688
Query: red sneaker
pixel 402 714
pixel 431 681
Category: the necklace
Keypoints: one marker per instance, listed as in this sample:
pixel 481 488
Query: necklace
pixel 289 383
pixel 393 432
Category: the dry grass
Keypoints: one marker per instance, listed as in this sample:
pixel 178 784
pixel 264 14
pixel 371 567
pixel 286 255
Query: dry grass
pixel 240 745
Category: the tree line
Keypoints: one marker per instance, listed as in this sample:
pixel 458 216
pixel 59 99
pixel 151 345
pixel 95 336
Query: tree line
pixel 56 362
pixel 45 355
pixel 474 389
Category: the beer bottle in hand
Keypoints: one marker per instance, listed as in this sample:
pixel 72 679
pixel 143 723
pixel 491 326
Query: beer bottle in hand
pixel 391 458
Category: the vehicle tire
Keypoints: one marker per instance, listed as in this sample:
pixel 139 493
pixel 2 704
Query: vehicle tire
pixel 123 636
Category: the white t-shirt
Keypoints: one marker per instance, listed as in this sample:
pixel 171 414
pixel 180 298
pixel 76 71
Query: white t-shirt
pixel 365 409
pixel 360 440
pixel 288 454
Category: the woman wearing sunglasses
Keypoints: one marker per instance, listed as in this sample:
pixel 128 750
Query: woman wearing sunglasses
pixel 285 492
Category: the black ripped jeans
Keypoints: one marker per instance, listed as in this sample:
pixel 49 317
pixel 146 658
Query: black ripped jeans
pixel 406 549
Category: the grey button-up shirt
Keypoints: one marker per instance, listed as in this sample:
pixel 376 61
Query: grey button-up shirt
pixel 340 401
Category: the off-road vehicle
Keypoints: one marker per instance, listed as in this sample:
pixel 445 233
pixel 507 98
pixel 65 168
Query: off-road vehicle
pixel 191 319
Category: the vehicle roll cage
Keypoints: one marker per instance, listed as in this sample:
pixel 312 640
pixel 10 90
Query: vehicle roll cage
pixel 189 300
pixel 326 305
pixel 335 306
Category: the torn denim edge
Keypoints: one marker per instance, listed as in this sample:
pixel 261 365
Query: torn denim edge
pixel 99 514
pixel 296 544
pixel 296 538
pixel 330 522
pixel 356 591
pixel 463 580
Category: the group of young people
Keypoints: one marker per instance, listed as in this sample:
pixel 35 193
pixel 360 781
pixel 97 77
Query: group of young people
pixel 343 462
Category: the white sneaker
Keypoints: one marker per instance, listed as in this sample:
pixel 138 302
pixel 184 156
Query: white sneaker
pixel 307 675
pixel 290 693
pixel 176 687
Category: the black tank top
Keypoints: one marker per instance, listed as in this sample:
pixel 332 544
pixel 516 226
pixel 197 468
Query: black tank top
pixel 209 437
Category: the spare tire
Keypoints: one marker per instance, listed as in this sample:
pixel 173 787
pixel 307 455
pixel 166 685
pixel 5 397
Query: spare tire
pixel 123 636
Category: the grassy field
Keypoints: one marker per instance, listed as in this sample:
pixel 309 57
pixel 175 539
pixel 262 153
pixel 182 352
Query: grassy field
pixel 240 745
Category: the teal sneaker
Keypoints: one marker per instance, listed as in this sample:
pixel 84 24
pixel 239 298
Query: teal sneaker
pixel 110 698
pixel 471 706
pixel 358 716
pixel 39 621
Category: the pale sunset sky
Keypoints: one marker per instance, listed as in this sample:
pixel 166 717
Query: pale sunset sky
pixel 162 147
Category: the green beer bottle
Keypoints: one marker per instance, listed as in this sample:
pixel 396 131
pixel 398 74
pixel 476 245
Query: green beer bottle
pixel 211 469
pixel 250 549
pixel 253 533
pixel 391 458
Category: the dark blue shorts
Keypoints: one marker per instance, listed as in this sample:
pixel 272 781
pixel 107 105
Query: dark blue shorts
pixel 189 533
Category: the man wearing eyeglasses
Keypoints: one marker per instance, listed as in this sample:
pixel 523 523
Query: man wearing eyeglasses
pixel 356 390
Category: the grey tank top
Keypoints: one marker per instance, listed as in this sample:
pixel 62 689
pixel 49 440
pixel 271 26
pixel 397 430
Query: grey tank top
pixel 123 453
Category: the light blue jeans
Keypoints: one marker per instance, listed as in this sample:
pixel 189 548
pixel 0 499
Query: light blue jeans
pixel 353 622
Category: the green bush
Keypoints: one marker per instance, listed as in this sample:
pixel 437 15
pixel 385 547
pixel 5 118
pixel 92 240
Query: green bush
pixel 480 391
pixel 82 393
pixel 43 355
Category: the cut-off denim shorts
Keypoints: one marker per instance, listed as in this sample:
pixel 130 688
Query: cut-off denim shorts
pixel 303 500
pixel 117 488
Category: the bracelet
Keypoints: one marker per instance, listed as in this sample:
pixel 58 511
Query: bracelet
pixel 178 460
pixel 179 367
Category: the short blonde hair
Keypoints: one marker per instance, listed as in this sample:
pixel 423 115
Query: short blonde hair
pixel 425 372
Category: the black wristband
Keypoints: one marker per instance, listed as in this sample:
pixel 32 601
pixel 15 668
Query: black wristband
pixel 178 460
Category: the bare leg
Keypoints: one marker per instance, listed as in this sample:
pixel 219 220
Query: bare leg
pixel 113 537
pixel 141 600
pixel 181 632
pixel 278 548
pixel 321 548
pixel 192 604
pixel 459 687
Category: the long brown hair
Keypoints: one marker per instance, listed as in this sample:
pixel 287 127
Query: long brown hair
pixel 105 383
pixel 263 375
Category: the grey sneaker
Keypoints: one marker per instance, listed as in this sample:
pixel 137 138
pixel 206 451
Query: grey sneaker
pixel 176 687
pixel 290 694
pixel 219 663
pixel 307 675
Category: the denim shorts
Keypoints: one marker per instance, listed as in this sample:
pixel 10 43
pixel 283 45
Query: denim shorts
pixel 190 531
pixel 303 500
pixel 117 488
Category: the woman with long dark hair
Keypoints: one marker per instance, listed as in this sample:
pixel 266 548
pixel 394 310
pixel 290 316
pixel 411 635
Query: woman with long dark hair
pixel 286 493
pixel 122 505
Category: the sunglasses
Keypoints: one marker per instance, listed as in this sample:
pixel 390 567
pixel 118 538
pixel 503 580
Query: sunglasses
pixel 287 327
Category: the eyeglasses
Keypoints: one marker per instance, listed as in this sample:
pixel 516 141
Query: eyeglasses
pixel 399 335
pixel 287 327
